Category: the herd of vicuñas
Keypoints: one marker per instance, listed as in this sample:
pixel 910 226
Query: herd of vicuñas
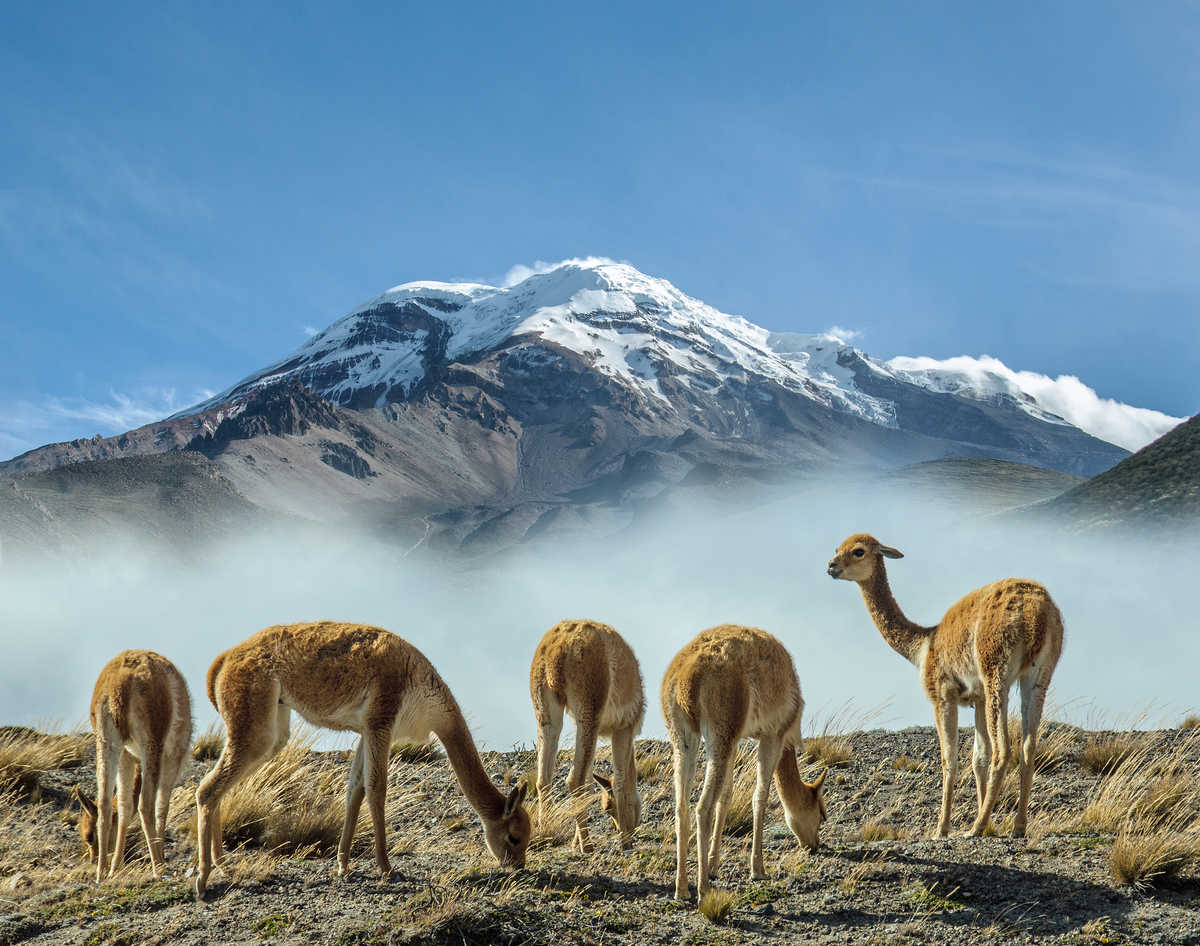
pixel 729 683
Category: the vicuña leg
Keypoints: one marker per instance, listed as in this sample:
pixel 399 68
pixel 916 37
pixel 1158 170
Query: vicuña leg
pixel 1033 700
pixel 550 724
pixel 996 706
pixel 126 800
pixel 151 775
pixel 946 716
pixel 377 743
pixel 250 740
pixel 581 773
pixel 981 755
pixel 769 752
pixel 108 758
pixel 686 748
pixel 354 799
pixel 714 843
pixel 716 773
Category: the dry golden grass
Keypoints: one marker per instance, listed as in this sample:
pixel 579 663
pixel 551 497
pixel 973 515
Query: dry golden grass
pixel 829 750
pixel 25 754
pixel 557 826
pixel 1142 859
pixel 1191 721
pixel 863 870
pixel 651 763
pixel 906 763
pixel 716 906
pixel 1105 753
pixel 208 744
pixel 873 831
pixel 288 806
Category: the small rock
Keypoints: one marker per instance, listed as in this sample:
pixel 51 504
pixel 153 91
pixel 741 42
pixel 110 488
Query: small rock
pixel 18 881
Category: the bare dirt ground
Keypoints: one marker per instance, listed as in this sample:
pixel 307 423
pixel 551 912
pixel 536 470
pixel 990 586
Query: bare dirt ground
pixel 1101 800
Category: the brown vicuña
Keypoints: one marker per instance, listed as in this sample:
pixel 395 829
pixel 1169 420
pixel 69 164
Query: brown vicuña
pixel 728 684
pixel 1004 633
pixel 587 669
pixel 142 718
pixel 348 677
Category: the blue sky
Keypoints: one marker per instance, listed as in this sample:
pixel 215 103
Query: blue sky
pixel 184 188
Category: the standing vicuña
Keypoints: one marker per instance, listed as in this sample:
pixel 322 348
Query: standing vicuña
pixel 141 713
pixel 1003 633
pixel 728 684
pixel 587 669
pixel 349 677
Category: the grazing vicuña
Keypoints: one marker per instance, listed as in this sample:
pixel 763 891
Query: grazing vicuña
pixel 728 684
pixel 587 669
pixel 142 718
pixel 349 677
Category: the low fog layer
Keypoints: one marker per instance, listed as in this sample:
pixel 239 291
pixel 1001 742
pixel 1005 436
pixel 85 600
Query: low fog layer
pixel 1131 636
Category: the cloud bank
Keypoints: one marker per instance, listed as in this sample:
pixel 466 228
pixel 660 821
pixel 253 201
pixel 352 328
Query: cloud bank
pixel 1067 396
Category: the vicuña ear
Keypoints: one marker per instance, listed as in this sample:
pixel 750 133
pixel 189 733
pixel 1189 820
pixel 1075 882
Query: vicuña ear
pixel 86 803
pixel 603 782
pixel 515 797
pixel 816 786
pixel 889 552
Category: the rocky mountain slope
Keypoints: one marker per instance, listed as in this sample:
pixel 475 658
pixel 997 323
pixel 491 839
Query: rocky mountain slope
pixel 1159 485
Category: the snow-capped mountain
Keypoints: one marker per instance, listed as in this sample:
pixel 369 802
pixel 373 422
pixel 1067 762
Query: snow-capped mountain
pixel 664 347
pixel 580 392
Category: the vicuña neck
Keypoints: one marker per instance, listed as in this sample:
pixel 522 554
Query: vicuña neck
pixel 788 782
pixel 476 785
pixel 903 636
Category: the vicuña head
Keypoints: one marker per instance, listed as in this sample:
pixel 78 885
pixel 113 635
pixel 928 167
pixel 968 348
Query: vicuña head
pixel 88 813
pixel 1004 633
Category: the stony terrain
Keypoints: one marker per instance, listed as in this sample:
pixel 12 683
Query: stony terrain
pixel 877 878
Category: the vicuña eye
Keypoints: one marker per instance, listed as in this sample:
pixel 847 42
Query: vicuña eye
pixel 859 553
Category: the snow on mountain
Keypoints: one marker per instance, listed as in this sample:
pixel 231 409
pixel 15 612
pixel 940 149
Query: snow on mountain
pixel 640 331
pixel 1063 400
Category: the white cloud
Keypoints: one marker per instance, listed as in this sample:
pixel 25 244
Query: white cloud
pixel 310 331
pixel 521 272
pixel 1067 396
pixel 25 425
pixel 844 335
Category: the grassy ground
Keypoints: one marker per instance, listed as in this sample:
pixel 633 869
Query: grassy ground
pixel 1111 856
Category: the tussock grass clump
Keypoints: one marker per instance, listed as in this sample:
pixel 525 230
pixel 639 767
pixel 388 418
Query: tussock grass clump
pixel 831 745
pixel 873 831
pixel 906 763
pixel 828 750
pixel 556 827
pixel 288 806
pixel 651 763
pixel 1105 753
pixel 716 906
pixel 208 744
pixel 1143 859
pixel 416 753
pixel 1192 721
pixel 26 754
